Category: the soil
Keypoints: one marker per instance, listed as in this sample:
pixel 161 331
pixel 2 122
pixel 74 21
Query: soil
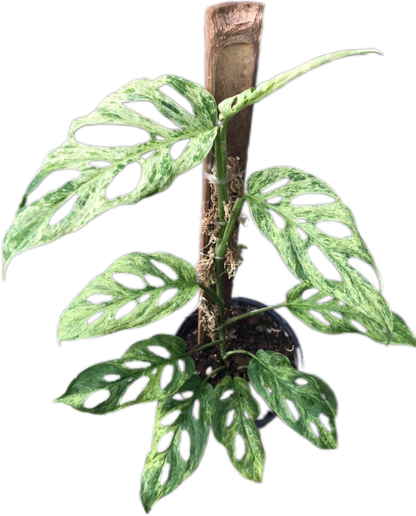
pixel 261 331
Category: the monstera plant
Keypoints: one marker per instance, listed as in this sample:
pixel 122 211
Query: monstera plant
pixel 189 403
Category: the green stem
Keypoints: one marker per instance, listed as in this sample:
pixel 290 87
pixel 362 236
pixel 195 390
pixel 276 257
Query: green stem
pixel 239 351
pixel 211 293
pixel 222 244
pixel 205 346
pixel 250 314
pixel 214 373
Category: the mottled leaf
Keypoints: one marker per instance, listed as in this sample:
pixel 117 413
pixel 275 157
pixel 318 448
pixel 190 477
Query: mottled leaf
pixel 117 376
pixel 281 385
pixel 32 226
pixel 298 232
pixel 341 318
pixel 86 318
pixel 233 105
pixel 195 422
pixel 236 415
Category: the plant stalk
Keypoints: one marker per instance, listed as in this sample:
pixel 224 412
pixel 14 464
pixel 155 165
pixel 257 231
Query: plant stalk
pixel 250 314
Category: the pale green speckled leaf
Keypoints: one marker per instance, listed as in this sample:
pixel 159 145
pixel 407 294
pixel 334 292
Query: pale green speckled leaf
pixel 116 376
pixel 233 105
pixel 31 226
pixel 339 317
pixel 354 290
pixel 245 412
pixel 276 381
pixel 194 421
pixel 74 320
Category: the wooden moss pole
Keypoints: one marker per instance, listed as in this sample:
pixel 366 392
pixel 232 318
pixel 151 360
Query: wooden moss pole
pixel 232 32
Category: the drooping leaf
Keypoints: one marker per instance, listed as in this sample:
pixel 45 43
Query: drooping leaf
pixel 298 232
pixel 244 410
pixel 117 376
pixel 340 318
pixel 85 317
pixel 280 384
pixel 233 105
pixel 194 417
pixel 32 227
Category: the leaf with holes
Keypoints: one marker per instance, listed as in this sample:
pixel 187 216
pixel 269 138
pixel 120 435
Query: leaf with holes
pixel 180 461
pixel 337 317
pixel 84 318
pixel 282 386
pixel 299 232
pixel 233 105
pixel 32 225
pixel 142 360
pixel 235 415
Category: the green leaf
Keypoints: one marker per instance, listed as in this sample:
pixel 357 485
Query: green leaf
pixel 85 318
pixel 116 376
pixel 277 382
pixel 195 422
pixel 233 105
pixel 31 226
pixel 299 231
pixel 341 317
pixel 244 410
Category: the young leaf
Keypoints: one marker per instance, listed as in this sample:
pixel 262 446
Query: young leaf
pixel 341 317
pixel 32 226
pixel 195 423
pixel 276 381
pixel 233 105
pixel 84 318
pixel 354 290
pixel 244 410
pixel 116 376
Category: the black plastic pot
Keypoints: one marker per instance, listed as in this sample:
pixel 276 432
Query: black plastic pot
pixel 189 325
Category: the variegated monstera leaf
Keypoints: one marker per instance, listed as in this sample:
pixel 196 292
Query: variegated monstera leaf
pixel 100 165
pixel 294 229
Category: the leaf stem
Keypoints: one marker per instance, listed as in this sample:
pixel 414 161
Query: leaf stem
pixel 205 346
pixel 239 351
pixel 213 373
pixel 250 314
pixel 211 293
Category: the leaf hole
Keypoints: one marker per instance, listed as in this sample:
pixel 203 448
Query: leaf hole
pixel 309 293
pixel 269 390
pixel 63 211
pixel 323 264
pixel 334 229
pixel 320 317
pixel 166 296
pixel 246 414
pixel 159 351
pixel 279 221
pixel 160 138
pixel 302 234
pixel 358 326
pixel 111 135
pixel 111 377
pixel 165 269
pixel 178 148
pixel 195 409
pixel 180 99
pixel 148 110
pixel 95 317
pixel 301 381
pixel 275 200
pixel 239 447
pixel 301 221
pixel 341 303
pixel 129 280
pixel 96 398
pixel 293 410
pixel 170 418
pixel 337 315
pixel 185 445
pixel 165 474
pixel 274 186
pixel 366 270
pixel 164 442
pixel 125 310
pixel 325 299
pixel 136 364
pixel 154 281
pixel 148 155
pixel 325 422
pixel 234 102
pixel 99 164
pixel 230 418
pixel 125 182
pixel 314 429
pixel 227 394
pixel 312 199
pixel 134 390
pixel 181 365
pixel 143 298
pixel 166 377
pixel 98 299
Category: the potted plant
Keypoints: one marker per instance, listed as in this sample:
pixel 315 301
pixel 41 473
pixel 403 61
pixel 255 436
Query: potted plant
pixel 220 398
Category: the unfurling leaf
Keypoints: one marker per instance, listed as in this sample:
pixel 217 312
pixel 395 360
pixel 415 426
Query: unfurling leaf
pixel 234 428
pixel 231 106
pixel 285 389
pixel 140 363
pixel 178 443
pixel 297 231
pixel 86 317
pixel 32 225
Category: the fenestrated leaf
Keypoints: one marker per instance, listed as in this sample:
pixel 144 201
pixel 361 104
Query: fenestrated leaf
pixel 196 423
pixel 233 105
pixel 341 317
pixel 354 290
pixel 116 376
pixel 83 318
pixel 276 381
pixel 31 226
pixel 244 409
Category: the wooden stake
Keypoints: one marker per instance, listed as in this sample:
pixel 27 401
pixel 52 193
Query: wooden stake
pixel 232 32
